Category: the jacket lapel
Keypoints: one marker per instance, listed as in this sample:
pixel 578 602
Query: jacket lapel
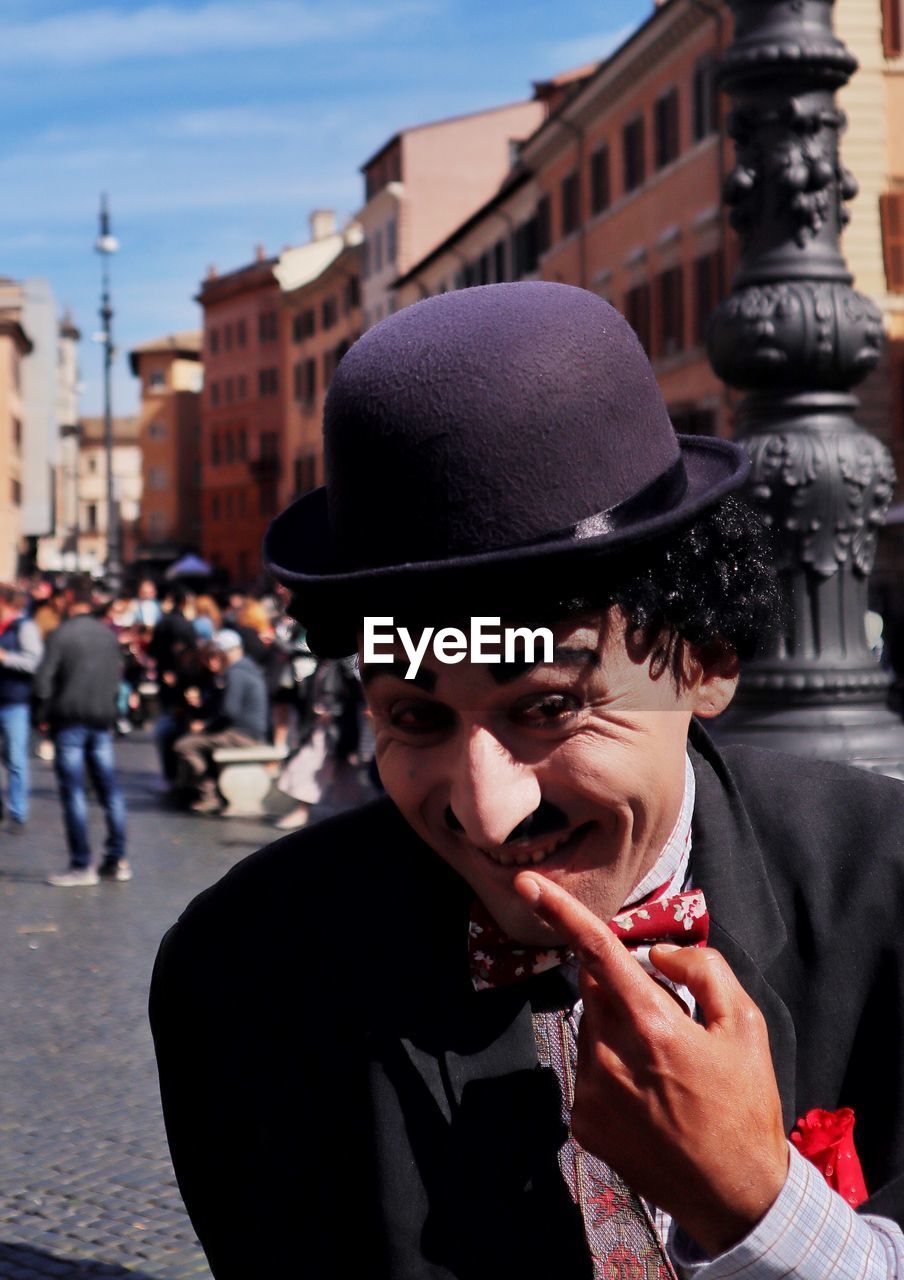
pixel 746 925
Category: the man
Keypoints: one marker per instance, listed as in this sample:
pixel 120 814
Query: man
pixel 20 652
pixel 76 688
pixel 423 1025
pixel 147 606
pixel 240 720
pixel 172 648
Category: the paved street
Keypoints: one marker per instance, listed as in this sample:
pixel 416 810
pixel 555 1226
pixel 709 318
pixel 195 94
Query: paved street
pixel 86 1186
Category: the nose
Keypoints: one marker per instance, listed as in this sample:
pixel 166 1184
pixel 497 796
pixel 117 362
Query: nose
pixel 491 791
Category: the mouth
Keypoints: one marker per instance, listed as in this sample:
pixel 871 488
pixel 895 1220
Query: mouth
pixel 516 855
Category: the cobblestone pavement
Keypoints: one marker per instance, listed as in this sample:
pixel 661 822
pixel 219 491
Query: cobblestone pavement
pixel 86 1185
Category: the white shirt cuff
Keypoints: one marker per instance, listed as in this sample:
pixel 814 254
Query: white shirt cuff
pixel 810 1233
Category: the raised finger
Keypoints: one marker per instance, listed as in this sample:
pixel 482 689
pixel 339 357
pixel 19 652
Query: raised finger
pixel 597 949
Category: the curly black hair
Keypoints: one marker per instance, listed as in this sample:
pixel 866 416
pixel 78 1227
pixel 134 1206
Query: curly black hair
pixel 712 581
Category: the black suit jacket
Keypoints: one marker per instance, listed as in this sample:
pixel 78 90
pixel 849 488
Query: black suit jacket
pixel 338 1098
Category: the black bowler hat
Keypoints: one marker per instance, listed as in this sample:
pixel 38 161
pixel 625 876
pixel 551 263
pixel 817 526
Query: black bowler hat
pixel 502 427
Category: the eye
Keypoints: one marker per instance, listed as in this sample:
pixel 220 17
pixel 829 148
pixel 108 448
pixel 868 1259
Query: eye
pixel 550 711
pixel 419 716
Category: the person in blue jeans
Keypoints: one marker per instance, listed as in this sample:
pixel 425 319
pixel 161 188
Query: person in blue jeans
pixel 21 648
pixel 76 688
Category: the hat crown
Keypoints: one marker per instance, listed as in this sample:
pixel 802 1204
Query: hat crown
pixel 488 418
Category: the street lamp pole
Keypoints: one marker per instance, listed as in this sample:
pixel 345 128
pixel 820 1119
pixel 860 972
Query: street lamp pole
pixel 106 245
pixel 796 337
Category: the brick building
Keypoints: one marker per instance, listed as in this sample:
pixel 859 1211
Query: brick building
pixel 424 181
pixel 169 369
pixel 14 346
pixel 241 414
pixel 322 318
pixel 92 490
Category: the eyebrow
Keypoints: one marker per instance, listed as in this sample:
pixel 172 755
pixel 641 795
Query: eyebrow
pixel 563 655
pixel 422 679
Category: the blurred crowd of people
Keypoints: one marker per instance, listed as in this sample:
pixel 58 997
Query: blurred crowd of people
pixel 203 671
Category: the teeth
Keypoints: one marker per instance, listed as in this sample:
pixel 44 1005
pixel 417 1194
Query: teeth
pixel 522 857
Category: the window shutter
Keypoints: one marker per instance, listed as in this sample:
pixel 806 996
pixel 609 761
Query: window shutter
pixel 891 28
pixel 891 207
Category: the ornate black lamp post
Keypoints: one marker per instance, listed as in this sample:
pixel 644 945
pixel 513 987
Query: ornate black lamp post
pixel 106 245
pixel 796 337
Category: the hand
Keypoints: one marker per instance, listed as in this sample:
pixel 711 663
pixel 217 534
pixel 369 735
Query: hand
pixel 689 1115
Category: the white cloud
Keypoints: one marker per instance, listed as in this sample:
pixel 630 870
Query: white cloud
pixel 590 48
pixel 105 35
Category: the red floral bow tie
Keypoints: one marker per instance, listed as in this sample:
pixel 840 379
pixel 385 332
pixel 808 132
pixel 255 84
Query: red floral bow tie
pixel 498 960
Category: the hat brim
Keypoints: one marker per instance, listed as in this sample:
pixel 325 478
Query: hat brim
pixel 298 547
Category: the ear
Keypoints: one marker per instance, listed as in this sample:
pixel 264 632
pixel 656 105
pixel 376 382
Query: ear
pixel 716 669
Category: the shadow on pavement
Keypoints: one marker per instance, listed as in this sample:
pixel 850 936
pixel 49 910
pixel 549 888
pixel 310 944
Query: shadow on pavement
pixel 21 1262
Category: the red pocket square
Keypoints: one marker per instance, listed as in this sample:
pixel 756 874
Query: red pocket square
pixel 826 1139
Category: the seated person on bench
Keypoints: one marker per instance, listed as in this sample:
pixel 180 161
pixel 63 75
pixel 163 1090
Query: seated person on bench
pixel 240 720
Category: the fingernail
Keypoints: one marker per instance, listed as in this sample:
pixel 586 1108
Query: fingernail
pixel 529 889
pixel 667 946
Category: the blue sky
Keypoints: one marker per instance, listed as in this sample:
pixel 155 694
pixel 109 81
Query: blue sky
pixel 217 124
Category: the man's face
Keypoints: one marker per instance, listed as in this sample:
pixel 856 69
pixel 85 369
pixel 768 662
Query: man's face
pixel 147 590
pixel 575 769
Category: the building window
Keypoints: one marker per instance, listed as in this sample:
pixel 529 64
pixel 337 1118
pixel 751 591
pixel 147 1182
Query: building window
pixel 229 388
pixel 215 507
pixel 706 99
pixel 391 240
pixel 670 309
pixel 352 294
pixel 378 250
pixel 599 180
pixel 499 271
pixel 329 312
pixel 267 382
pixel 637 313
pixel 305 474
pixel 17 432
pixel 156 380
pixel 241 333
pixel 228 447
pixel 634 158
pixel 92 464
pixel 665 128
pixel 304 325
pixel 214 394
pixel 571 204
pixel 241 387
pixel 708 287
pixel 543 224
pixel 329 366
pixel 213 341
pixel 242 445
pixel 156 524
pixel 91 514
pixel 16 493
pixel 891 211
pixel 156 431
pixel 157 478
pixel 267 326
pixel 365 259
pixel 693 421
pixel 215 450
pixel 310 381
pixel 227 503
pixel 227 337
pixel 525 250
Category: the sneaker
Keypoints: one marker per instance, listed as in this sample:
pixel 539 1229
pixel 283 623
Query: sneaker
pixel 74 878
pixel 120 871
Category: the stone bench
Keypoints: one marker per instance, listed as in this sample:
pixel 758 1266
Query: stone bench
pixel 244 778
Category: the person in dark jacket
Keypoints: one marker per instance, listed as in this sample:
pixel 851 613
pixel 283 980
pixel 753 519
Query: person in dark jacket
pixel 76 691
pixel 173 650
pixel 240 720
pixel 446 1021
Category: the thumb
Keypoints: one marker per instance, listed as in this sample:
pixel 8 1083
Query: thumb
pixel 706 975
